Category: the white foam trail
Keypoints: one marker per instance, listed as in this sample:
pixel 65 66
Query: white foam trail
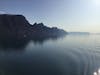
pixel 97 73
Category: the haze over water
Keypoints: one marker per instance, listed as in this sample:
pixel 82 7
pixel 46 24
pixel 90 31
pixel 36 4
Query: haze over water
pixel 70 55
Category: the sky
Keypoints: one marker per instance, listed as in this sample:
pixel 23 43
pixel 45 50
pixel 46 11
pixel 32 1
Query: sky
pixel 70 15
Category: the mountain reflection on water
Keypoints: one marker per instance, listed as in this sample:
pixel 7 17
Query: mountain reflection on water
pixel 69 55
pixel 16 43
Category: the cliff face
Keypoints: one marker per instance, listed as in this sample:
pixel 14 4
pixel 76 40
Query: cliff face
pixel 13 25
pixel 18 26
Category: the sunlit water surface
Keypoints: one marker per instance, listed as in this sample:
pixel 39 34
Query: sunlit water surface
pixel 70 55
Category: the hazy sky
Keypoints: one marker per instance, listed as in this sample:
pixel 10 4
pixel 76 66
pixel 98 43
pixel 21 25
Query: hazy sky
pixel 71 15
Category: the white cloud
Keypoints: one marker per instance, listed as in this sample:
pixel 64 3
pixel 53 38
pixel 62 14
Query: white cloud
pixel 2 12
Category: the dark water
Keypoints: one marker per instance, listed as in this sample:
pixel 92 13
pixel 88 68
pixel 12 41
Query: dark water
pixel 70 55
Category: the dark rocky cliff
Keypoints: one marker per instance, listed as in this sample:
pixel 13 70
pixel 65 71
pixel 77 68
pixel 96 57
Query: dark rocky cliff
pixel 17 26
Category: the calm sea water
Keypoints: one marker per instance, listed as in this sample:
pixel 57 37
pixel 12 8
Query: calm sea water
pixel 70 55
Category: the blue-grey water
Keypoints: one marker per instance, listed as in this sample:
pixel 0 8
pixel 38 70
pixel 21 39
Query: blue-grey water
pixel 69 55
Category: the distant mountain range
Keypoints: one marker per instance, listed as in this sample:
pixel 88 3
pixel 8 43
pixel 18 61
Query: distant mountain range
pixel 79 33
pixel 16 26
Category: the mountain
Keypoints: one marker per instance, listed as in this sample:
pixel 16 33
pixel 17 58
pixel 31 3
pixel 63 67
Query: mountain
pixel 79 33
pixel 17 26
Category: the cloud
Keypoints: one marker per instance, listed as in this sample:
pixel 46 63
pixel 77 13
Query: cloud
pixel 2 12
